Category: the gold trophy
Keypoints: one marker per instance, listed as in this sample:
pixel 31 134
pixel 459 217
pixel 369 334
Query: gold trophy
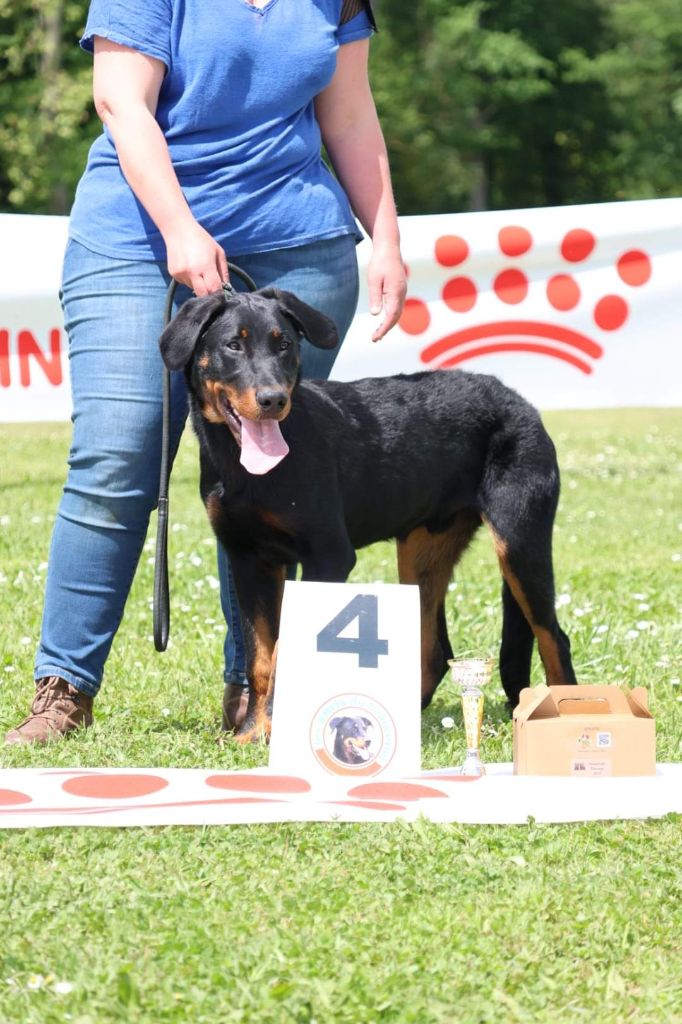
pixel 470 676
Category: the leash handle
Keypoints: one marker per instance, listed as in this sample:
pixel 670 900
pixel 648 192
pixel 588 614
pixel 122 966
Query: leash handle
pixel 161 594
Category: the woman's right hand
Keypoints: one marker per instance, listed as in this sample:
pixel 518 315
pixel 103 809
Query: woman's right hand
pixel 195 259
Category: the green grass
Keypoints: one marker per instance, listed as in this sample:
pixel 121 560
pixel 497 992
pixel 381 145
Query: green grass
pixel 351 923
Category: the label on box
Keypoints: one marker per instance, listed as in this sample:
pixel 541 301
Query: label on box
pixel 592 738
pixel 591 767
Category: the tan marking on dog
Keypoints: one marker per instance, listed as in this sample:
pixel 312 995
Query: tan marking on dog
pixel 273 520
pixel 427 559
pixel 243 333
pixel 262 676
pixel 548 647
pixel 276 333
pixel 214 509
pixel 203 362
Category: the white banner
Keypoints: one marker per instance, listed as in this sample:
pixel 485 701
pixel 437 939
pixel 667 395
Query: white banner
pixel 575 307
pixel 115 797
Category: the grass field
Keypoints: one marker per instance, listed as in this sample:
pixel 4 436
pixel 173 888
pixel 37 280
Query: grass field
pixel 351 923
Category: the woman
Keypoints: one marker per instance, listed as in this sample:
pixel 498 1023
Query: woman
pixel 213 112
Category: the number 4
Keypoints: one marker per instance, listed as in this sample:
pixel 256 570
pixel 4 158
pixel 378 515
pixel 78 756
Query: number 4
pixel 366 644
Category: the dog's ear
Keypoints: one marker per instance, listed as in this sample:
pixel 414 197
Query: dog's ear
pixel 335 723
pixel 317 328
pixel 366 721
pixel 178 341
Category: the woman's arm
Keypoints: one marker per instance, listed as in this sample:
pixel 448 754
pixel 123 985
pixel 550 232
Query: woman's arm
pixel 352 136
pixel 126 92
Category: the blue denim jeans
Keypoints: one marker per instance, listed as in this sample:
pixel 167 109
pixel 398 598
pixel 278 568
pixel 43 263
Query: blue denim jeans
pixel 113 314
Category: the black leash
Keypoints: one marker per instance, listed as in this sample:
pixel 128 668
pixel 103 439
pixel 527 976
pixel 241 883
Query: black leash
pixel 161 588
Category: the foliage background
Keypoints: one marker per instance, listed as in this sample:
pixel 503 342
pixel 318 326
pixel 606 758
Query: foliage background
pixel 491 104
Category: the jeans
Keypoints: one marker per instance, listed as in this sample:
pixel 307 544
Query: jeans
pixel 113 314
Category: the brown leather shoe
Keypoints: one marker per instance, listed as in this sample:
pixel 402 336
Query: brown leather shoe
pixel 235 703
pixel 58 708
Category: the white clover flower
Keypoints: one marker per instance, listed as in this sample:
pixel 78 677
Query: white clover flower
pixel 447 722
pixel 35 981
pixel 165 712
pixel 195 559
pixel 562 600
pixel 62 988
pixel 213 582
pixel 4 520
pixel 643 624
pixel 632 634
pixel 603 628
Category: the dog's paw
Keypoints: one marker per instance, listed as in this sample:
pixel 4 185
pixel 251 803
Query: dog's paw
pixel 253 732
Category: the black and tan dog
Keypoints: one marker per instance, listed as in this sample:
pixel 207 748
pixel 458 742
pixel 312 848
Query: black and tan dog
pixel 307 472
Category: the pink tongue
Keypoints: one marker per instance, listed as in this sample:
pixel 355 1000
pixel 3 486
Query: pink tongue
pixel 262 446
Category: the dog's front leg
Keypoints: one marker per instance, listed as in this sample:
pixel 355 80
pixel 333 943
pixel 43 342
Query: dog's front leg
pixel 259 590
pixel 330 562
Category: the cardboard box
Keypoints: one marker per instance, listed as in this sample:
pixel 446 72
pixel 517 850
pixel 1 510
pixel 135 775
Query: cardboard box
pixel 584 731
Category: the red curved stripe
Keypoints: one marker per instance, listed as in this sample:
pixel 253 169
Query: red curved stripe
pixel 533 328
pixel 516 346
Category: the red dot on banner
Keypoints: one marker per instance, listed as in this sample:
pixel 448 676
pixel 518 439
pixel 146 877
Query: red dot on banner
pixel 511 286
pixel 611 312
pixel 394 791
pixel 9 797
pixel 451 250
pixel 114 787
pixel 259 783
pixel 460 294
pixel 415 317
pixel 514 241
pixel 577 245
pixel 563 292
pixel 634 267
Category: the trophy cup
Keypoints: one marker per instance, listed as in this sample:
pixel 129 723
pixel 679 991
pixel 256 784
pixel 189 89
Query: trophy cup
pixel 470 677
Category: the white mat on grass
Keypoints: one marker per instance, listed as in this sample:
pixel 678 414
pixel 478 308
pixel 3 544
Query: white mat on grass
pixel 40 798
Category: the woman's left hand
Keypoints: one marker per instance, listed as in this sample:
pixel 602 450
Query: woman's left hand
pixel 387 285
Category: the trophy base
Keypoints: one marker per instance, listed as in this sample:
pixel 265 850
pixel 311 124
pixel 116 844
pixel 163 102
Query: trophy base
pixel 472 767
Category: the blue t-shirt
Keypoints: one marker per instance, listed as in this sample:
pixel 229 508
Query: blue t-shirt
pixel 236 109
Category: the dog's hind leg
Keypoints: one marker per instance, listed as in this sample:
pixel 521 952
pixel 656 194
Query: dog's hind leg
pixel 428 559
pixel 524 548
pixel 259 589
pixel 516 649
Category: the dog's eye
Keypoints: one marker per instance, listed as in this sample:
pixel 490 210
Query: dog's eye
pixel 284 344
pixel 234 346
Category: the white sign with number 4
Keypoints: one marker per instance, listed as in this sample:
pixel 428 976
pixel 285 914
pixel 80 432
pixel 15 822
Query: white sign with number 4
pixel 347 698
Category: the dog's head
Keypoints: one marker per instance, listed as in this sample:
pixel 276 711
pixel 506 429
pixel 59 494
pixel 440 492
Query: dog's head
pixel 242 358
pixel 353 740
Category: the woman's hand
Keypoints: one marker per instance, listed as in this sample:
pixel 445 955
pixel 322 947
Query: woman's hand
pixel 387 285
pixel 195 259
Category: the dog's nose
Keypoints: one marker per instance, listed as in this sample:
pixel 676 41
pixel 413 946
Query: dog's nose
pixel 272 401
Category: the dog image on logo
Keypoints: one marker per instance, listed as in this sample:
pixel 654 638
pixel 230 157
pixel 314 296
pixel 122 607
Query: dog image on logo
pixel 308 472
pixel 352 739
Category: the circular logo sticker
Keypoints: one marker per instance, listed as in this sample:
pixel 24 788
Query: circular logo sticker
pixel 351 734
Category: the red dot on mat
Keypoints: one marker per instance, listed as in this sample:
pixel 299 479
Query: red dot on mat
pixel 415 317
pixel 514 241
pixel 611 312
pixel 460 294
pixel 8 797
pixel 394 791
pixel 511 286
pixel 577 245
pixel 451 250
pixel 563 292
pixel 259 783
pixel 634 267
pixel 114 787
